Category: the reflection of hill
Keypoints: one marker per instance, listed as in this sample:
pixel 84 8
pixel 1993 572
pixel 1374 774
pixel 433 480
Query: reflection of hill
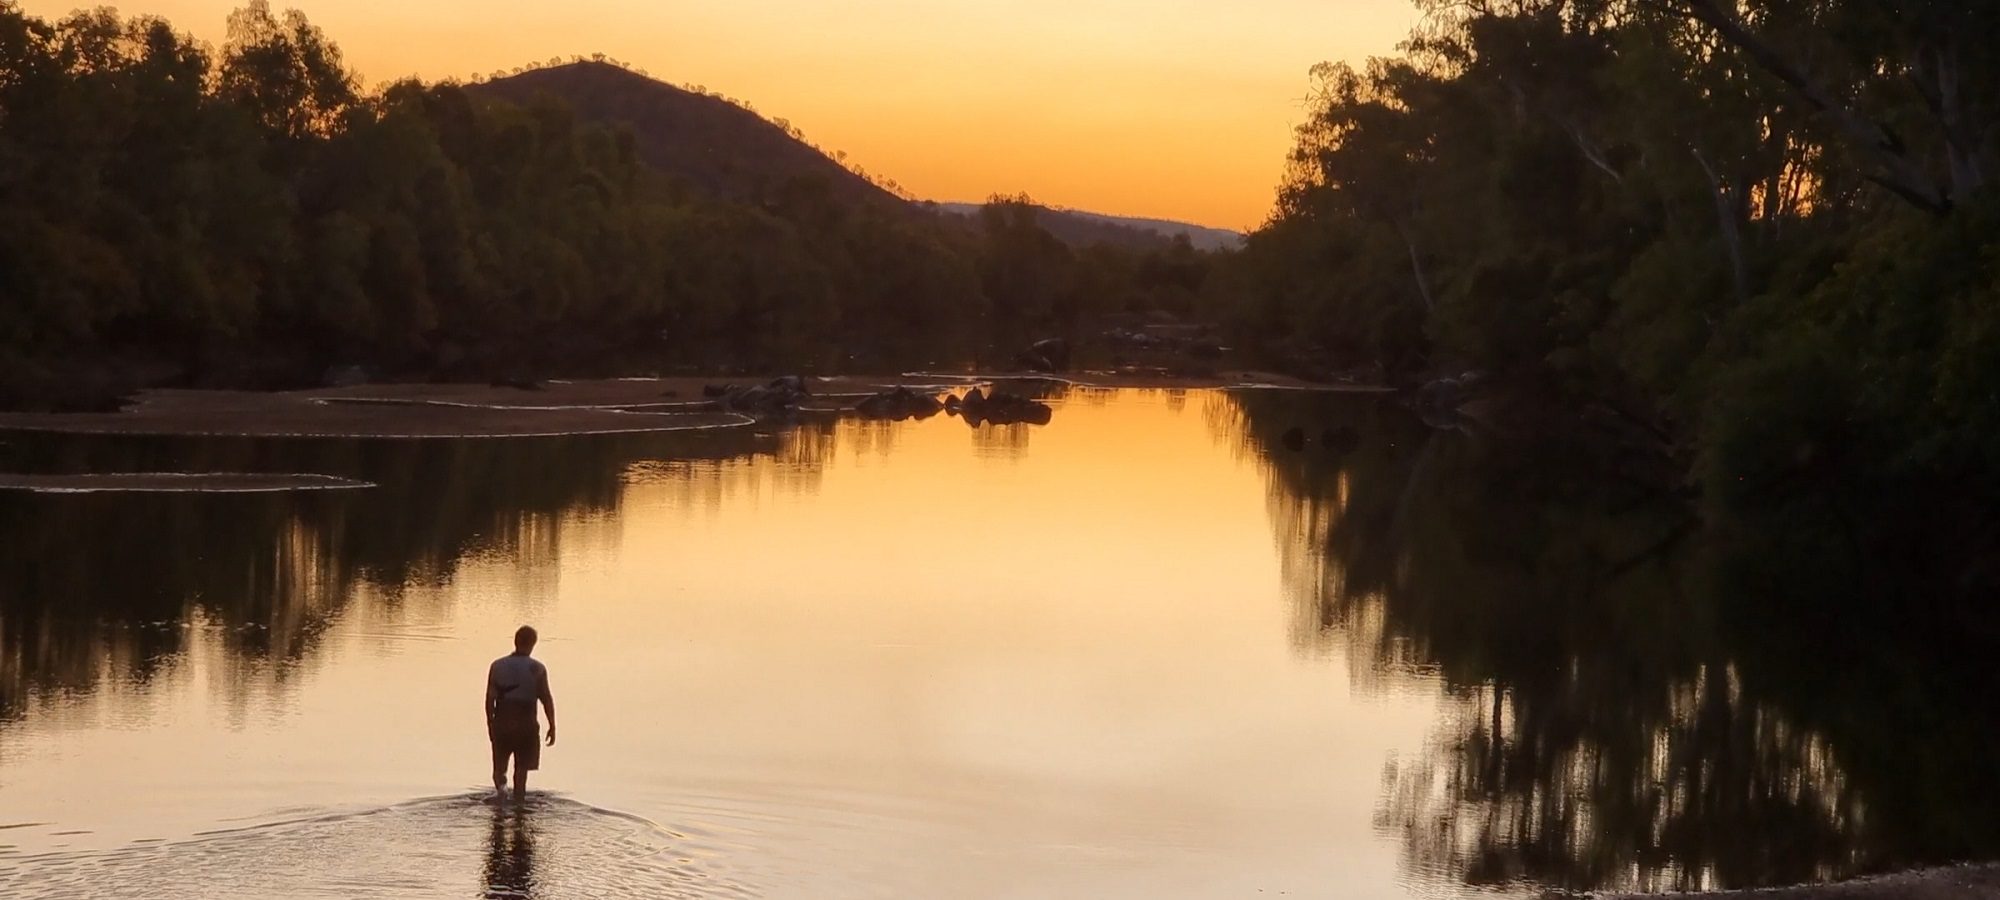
pixel 98 588
pixel 1619 726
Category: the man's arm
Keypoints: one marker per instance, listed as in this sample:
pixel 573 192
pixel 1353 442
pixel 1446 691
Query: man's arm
pixel 549 705
pixel 492 696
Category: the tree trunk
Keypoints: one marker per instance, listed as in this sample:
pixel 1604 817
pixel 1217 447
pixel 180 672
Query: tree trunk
pixel 1727 206
pixel 1897 171
pixel 1416 263
pixel 1936 77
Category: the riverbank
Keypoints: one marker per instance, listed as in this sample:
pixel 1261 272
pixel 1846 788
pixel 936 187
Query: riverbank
pixel 604 406
pixel 176 482
pixel 1970 882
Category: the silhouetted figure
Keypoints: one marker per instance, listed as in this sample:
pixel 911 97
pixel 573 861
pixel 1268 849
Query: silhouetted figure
pixel 510 858
pixel 514 684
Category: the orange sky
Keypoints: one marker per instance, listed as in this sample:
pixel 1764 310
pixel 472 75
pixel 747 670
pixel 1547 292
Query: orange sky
pixel 1169 108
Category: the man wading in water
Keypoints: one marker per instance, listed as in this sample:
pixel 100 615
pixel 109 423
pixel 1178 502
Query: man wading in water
pixel 513 685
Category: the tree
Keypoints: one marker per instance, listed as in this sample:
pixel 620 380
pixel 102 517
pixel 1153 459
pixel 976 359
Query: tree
pixel 285 72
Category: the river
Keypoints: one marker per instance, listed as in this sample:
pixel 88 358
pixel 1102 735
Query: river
pixel 1146 650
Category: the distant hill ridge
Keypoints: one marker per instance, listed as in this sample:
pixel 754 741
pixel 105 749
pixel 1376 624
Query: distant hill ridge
pixel 1202 237
pixel 722 149
pixel 714 146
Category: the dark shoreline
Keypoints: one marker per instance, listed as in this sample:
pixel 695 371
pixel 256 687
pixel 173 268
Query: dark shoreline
pixel 602 406
pixel 177 482
pixel 1980 881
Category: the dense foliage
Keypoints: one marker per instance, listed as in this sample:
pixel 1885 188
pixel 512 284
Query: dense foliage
pixel 250 216
pixel 1761 228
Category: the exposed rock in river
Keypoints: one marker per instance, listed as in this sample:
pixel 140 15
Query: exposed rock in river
pixel 900 403
pixel 794 383
pixel 780 395
pixel 1051 355
pixel 1001 408
pixel 1438 401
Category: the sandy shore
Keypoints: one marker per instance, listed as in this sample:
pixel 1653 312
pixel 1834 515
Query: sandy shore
pixel 610 406
pixel 413 411
pixel 176 482
pixel 1976 882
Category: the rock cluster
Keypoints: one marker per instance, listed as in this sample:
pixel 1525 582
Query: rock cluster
pixel 1051 355
pixel 998 407
pixel 780 395
pixel 898 404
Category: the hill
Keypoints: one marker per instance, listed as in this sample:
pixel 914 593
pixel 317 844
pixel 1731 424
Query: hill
pixel 723 150
pixel 1078 227
pixel 1201 236
pixel 710 144
pixel 572 221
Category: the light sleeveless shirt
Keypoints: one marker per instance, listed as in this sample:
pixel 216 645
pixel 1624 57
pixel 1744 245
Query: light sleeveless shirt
pixel 517 683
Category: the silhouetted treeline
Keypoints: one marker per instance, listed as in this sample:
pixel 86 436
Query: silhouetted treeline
pixel 1763 230
pixel 249 216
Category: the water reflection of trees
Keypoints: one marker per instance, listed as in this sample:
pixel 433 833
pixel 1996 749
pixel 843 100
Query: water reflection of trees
pixel 787 463
pixel 106 588
pixel 1621 722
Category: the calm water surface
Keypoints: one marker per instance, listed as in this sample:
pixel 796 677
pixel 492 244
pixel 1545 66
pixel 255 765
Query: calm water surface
pixel 1143 651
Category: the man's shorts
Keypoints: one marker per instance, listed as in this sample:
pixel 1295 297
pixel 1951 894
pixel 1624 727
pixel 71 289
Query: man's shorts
pixel 520 738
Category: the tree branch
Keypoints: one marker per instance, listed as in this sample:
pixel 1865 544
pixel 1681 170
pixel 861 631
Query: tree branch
pixel 1898 172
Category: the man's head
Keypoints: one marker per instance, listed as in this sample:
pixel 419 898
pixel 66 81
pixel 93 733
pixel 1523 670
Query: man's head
pixel 524 639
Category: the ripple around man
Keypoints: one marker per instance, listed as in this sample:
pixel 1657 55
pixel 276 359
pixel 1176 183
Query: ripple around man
pixel 550 848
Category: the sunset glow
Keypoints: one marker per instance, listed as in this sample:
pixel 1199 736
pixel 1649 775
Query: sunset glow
pixel 1173 109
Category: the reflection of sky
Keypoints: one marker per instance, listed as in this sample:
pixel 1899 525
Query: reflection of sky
pixel 892 657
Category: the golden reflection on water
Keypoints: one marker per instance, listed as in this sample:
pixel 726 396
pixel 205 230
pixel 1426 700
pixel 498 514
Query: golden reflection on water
pixel 918 654
pixel 1141 651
